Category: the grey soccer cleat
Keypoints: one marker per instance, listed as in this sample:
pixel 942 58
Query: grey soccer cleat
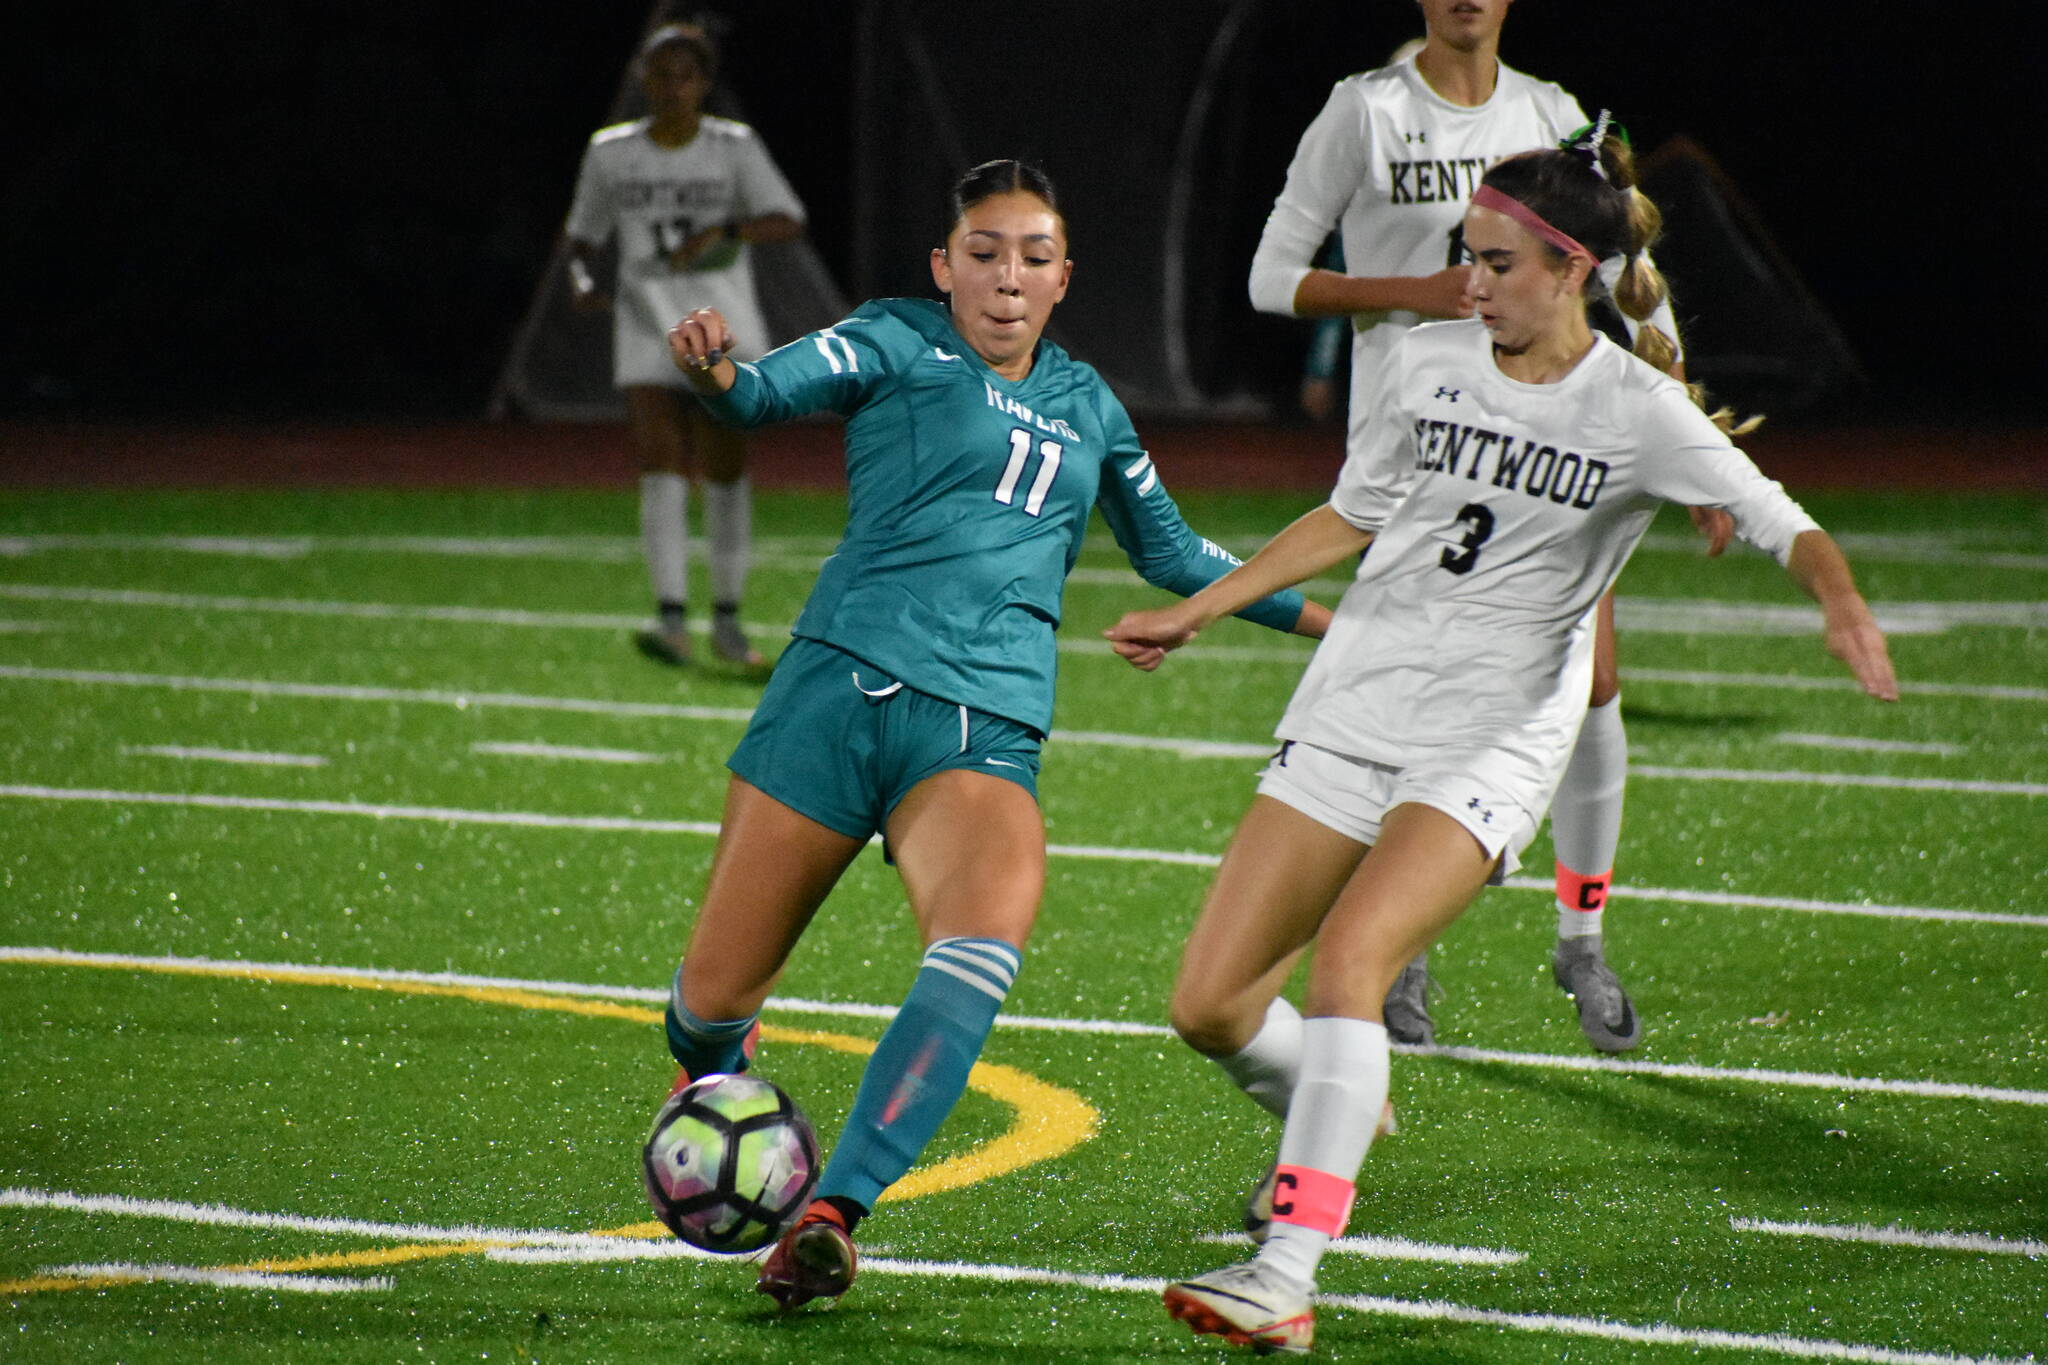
pixel 1407 1007
pixel 729 642
pixel 1258 1206
pixel 1606 1015
pixel 664 646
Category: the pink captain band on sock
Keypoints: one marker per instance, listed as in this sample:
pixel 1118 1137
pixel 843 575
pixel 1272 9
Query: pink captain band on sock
pixel 1580 892
pixel 1313 1199
pixel 1487 197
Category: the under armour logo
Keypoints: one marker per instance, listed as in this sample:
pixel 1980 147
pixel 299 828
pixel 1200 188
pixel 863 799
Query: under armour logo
pixel 1485 816
pixel 1421 136
pixel 1448 395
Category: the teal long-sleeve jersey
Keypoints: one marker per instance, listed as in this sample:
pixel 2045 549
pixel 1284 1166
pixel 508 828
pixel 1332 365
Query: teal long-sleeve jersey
pixel 968 497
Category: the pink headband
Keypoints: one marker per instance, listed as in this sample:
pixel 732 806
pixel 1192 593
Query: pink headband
pixel 1487 197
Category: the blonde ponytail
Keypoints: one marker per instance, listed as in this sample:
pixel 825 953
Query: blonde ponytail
pixel 1584 189
pixel 1641 286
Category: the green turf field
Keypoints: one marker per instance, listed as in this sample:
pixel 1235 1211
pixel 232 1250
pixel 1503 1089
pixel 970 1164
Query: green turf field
pixel 348 845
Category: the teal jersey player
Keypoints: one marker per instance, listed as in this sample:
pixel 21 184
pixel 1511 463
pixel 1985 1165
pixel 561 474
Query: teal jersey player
pixel 968 496
pixel 919 689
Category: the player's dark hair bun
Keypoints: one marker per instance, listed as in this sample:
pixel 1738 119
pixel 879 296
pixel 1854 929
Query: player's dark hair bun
pixel 1006 175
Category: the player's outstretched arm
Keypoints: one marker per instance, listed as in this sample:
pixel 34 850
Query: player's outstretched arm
pixel 1715 526
pixel 1311 544
pixel 584 294
pixel 699 345
pixel 1818 566
pixel 1326 293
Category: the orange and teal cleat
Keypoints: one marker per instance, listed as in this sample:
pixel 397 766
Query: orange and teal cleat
pixel 814 1260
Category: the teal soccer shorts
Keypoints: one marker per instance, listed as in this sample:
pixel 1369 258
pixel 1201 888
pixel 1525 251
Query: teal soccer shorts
pixel 842 742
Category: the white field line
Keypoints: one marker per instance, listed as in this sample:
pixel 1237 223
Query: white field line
pixel 443 814
pixel 8 627
pixel 249 756
pixel 1799 903
pixel 1701 616
pixel 508 616
pixel 566 751
pixel 1935 547
pixel 578 1247
pixel 594 549
pixel 1186 747
pixel 293 606
pixel 1968 786
pixel 1438 1310
pixel 1642 615
pixel 123 1272
pixel 1088 1027
pixel 1394 1249
pixel 1657 1334
pixel 1166 856
pixel 1858 744
pixel 798 551
pixel 1929 547
pixel 460 700
pixel 1810 683
pixel 1809 1080
pixel 1897 1236
pixel 222 1216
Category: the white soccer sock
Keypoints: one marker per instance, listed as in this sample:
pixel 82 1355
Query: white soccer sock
pixel 1337 1102
pixel 1266 1067
pixel 1585 820
pixel 729 526
pixel 665 534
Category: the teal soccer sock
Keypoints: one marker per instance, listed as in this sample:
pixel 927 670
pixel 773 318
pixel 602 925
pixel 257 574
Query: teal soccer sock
pixel 704 1047
pixel 920 1067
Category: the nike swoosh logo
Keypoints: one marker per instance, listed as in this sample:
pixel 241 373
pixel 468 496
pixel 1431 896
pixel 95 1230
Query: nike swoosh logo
pixel 944 355
pixel 1000 763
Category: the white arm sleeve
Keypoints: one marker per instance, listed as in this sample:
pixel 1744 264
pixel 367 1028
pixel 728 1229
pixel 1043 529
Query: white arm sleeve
pixel 1688 460
pixel 590 212
pixel 1380 465
pixel 1328 168
pixel 763 190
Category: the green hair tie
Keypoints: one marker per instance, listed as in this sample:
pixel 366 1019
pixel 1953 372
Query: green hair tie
pixel 1583 133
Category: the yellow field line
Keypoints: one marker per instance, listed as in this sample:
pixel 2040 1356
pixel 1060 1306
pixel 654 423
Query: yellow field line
pixel 1050 1120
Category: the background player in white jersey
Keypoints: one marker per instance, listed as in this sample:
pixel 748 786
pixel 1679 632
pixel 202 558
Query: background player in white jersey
pixel 1509 467
pixel 685 193
pixel 1390 162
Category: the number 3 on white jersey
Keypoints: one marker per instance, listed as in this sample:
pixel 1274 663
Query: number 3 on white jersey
pixel 1020 451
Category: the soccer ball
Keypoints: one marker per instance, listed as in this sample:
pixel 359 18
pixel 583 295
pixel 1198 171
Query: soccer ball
pixel 730 1163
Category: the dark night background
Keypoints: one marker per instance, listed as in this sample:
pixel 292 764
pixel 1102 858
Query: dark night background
pixel 241 211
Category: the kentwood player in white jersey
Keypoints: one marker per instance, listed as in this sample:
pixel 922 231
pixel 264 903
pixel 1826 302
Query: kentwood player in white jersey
pixel 685 193
pixel 1501 511
pixel 1389 164
pixel 1513 463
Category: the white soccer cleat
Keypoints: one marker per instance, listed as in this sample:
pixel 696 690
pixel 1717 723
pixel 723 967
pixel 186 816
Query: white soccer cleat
pixel 1246 1305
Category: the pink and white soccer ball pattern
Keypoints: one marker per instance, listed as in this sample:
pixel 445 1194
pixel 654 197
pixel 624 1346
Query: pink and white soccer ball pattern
pixel 730 1163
